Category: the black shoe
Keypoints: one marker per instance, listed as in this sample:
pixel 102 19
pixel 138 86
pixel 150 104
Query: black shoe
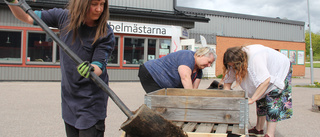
pixel 255 132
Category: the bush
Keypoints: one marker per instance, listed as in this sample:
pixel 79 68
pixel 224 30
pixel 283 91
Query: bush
pixel 219 76
pixel 317 84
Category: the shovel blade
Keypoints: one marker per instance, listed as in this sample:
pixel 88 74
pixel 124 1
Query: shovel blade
pixel 147 123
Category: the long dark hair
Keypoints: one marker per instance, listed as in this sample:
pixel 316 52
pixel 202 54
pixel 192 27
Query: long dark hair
pixel 77 14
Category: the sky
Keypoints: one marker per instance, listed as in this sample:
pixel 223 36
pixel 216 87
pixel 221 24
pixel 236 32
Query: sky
pixel 296 10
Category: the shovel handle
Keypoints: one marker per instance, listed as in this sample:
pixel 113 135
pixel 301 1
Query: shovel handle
pixel 22 4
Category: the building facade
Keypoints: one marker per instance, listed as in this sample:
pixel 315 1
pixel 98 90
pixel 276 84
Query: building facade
pixel 226 30
pixel 144 30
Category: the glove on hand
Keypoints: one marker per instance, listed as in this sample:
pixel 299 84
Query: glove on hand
pixel 85 68
pixel 11 1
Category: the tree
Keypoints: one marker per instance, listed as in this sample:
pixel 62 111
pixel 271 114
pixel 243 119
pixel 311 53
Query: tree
pixel 315 43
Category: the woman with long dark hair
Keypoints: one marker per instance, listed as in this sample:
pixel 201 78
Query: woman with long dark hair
pixel 83 27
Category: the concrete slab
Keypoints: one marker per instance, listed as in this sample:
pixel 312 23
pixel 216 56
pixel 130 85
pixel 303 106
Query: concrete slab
pixel 32 109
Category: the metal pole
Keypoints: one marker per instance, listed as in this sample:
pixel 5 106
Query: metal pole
pixel 311 51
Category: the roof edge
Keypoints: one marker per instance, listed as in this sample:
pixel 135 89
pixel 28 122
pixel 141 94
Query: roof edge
pixel 188 10
pixel 152 13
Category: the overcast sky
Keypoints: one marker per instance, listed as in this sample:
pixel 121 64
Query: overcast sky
pixel 296 10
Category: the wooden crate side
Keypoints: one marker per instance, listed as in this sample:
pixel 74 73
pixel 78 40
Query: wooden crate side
pixel 198 92
pixel 158 92
pixel 204 106
pixel 203 92
pixel 196 115
pixel 194 129
pixel 193 134
pixel 316 99
pixel 316 103
pixel 194 102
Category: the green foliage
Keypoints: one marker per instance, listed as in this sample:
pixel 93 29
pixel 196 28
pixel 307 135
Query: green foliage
pixel 219 76
pixel 316 85
pixel 315 44
pixel 315 65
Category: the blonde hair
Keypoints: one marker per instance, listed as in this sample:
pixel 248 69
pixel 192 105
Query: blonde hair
pixel 206 51
pixel 240 59
pixel 77 14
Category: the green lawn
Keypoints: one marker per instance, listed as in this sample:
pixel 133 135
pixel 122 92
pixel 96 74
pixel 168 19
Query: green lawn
pixel 315 65
pixel 316 85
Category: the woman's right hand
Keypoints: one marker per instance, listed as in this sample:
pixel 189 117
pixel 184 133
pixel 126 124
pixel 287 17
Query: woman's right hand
pixel 227 86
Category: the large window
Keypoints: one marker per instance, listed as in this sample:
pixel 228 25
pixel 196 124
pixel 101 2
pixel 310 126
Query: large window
pixel 40 47
pixel 10 46
pixel 139 50
pixel 133 50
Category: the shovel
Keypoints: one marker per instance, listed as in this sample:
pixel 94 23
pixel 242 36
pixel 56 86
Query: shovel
pixel 144 122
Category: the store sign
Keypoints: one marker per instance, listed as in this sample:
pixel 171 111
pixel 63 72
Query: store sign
pixel 140 28
pixel 185 33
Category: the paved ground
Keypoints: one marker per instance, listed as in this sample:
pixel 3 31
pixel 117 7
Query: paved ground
pixel 32 109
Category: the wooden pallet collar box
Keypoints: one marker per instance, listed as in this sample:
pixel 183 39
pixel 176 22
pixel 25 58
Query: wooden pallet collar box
pixel 201 106
pixel 316 102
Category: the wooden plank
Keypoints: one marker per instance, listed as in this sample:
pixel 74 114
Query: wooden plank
pixel 205 127
pixel 218 103
pixel 189 127
pixel 222 128
pixel 202 116
pixel 215 127
pixel 236 130
pixel 198 92
pixel 123 134
pixel 316 99
pixel 204 92
pixel 157 92
pixel 179 124
pixel 193 134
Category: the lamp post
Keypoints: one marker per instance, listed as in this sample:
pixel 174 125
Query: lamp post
pixel 311 51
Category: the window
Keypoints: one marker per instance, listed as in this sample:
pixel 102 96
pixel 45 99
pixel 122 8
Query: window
pixel 152 49
pixel 40 46
pixel 133 50
pixel 164 48
pixel 139 50
pixel 57 54
pixel 113 59
pixel 10 46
